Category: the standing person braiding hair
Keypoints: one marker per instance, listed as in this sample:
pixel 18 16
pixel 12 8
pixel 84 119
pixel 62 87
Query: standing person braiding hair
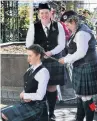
pixel 83 57
pixel 50 35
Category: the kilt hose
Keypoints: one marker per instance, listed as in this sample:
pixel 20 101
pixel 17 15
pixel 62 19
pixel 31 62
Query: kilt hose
pixel 56 71
pixel 84 79
pixel 36 111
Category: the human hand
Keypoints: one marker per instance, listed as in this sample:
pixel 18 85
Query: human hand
pixel 48 53
pixel 22 95
pixel 61 60
pixel 27 100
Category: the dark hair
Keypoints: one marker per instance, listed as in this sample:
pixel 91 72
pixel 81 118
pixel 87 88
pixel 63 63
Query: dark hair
pixel 73 18
pixel 37 49
pixel 68 15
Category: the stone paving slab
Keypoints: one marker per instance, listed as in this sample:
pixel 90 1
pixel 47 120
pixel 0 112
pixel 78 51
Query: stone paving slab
pixel 67 114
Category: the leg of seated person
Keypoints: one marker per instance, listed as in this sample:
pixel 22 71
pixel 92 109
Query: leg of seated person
pixel 4 117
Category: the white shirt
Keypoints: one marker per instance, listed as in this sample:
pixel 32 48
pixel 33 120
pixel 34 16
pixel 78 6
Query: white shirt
pixel 81 39
pixel 30 35
pixel 44 28
pixel 42 77
pixel 61 38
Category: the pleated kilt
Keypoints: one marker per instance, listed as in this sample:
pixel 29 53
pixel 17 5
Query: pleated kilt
pixel 84 79
pixel 26 112
pixel 56 71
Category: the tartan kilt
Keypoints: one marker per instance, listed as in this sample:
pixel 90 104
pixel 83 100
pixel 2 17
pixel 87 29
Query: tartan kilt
pixel 56 71
pixel 26 112
pixel 84 79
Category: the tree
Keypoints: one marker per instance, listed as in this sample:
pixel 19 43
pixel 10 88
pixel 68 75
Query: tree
pixel 23 12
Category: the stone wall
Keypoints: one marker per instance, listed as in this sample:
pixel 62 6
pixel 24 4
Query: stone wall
pixel 13 67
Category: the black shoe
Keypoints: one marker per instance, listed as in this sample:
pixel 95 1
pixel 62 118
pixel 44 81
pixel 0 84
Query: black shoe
pixel 52 117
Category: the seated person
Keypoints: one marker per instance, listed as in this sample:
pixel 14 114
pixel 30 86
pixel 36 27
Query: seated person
pixel 33 106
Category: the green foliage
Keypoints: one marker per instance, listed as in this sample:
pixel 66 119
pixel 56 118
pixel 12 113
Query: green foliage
pixel 23 16
pixel 70 5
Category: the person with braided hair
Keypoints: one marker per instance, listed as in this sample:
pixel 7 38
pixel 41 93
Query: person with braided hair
pixel 33 98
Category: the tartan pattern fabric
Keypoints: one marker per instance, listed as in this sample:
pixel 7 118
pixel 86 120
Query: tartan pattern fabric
pixel 56 72
pixel 84 79
pixel 24 111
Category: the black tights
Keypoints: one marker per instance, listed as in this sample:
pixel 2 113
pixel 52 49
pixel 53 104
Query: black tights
pixel 83 109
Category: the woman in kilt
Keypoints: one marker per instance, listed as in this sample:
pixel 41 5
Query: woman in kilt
pixel 33 106
pixel 82 55
pixel 50 35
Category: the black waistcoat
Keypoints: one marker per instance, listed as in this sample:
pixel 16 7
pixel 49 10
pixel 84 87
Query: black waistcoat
pixel 91 55
pixel 30 84
pixel 50 42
